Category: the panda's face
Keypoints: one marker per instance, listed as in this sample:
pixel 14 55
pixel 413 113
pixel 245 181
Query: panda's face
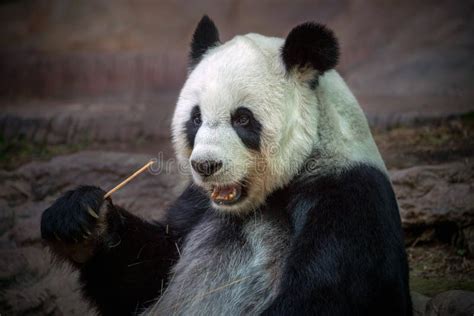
pixel 242 127
pixel 226 118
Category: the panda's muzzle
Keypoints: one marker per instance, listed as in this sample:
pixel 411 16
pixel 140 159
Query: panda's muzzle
pixel 221 193
pixel 226 194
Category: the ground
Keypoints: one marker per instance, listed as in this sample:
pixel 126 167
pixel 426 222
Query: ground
pixel 431 166
pixel 435 265
pixel 437 268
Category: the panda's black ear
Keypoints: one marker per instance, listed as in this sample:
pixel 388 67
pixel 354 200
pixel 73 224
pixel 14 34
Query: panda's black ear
pixel 205 36
pixel 310 45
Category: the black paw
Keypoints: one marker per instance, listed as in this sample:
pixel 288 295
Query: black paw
pixel 73 217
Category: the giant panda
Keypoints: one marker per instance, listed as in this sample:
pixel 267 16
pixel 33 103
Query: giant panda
pixel 289 208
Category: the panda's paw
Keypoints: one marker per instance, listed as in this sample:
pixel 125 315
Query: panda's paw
pixel 72 224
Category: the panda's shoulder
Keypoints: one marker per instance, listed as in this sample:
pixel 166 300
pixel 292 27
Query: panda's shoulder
pixel 360 190
pixel 352 177
pixel 356 206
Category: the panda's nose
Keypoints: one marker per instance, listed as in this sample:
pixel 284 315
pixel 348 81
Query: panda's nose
pixel 206 167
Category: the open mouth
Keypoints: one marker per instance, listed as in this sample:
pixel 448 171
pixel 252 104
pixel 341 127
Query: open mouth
pixel 227 194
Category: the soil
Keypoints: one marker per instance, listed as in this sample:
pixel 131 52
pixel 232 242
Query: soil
pixel 436 268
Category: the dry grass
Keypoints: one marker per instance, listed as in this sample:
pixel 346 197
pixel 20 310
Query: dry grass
pixel 404 147
pixel 437 268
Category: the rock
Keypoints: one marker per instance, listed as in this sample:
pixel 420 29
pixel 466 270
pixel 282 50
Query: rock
pixel 452 303
pixel 29 190
pixel 419 302
pixel 7 217
pixel 36 287
pixel 47 180
pixel 78 123
pixel 468 234
pixel 440 198
pixel 30 283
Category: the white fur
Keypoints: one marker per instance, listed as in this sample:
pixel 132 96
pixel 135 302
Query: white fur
pixel 326 126
pixel 241 277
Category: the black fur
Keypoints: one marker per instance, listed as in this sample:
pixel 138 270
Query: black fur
pixel 187 210
pixel 191 126
pixel 250 134
pixel 313 45
pixel 131 260
pixel 68 218
pixel 205 36
pixel 131 267
pixel 314 83
pixel 347 255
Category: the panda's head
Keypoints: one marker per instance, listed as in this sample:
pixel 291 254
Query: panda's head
pixel 245 120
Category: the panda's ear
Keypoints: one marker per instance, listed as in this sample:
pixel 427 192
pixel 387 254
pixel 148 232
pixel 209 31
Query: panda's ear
pixel 205 36
pixel 310 45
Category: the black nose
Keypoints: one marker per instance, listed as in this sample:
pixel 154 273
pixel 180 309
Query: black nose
pixel 206 167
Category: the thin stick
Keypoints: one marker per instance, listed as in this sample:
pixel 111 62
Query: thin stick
pixel 124 182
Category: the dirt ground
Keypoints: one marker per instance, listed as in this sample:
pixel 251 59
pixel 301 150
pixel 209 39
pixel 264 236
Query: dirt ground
pixel 435 266
pixel 428 143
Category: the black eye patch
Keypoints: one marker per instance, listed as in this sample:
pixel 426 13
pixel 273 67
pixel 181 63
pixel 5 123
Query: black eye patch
pixel 193 124
pixel 247 127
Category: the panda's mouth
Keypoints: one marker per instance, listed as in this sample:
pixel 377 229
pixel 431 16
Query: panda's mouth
pixel 227 194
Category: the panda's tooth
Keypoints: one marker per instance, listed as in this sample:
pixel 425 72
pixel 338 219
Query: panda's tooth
pixel 222 194
pixel 214 193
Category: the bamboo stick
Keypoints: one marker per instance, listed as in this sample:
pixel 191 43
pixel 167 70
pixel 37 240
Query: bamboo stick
pixel 130 178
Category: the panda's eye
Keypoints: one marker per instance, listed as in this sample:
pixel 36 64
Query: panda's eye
pixel 242 120
pixel 197 119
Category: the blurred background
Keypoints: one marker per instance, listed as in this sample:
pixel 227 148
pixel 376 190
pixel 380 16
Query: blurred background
pixel 88 88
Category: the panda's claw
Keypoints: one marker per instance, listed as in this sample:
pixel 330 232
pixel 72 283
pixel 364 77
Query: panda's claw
pixel 73 217
pixel 85 230
pixel 92 213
